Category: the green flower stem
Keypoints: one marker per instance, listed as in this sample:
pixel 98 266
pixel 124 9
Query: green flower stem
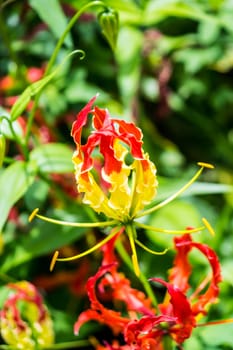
pixel 146 285
pixel 67 30
pixel 168 343
pixel 54 56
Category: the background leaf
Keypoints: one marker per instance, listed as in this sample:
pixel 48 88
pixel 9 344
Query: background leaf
pixel 56 20
pixel 53 158
pixel 14 182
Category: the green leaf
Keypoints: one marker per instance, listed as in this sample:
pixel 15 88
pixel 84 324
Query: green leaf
pixel 53 158
pixel 55 20
pixel 221 334
pixel 28 93
pixel 157 11
pixel 44 238
pixel 36 194
pixel 9 128
pixel 14 182
pixel 128 59
pixel 175 216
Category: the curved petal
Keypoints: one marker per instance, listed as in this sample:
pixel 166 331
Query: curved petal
pixel 181 272
pixel 98 312
pixel 181 311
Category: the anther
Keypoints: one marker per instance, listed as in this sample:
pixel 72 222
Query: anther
pixel 208 226
pixel 33 214
pixel 206 165
pixel 53 261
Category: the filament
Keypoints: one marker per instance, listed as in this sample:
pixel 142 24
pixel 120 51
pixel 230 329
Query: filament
pixel 173 232
pixel 180 191
pixel 208 226
pixel 86 252
pixel 72 224
pixel 150 250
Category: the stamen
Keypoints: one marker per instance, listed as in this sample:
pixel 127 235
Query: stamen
pixel 213 323
pixel 129 231
pixel 72 224
pixel 201 287
pixel 173 232
pixel 86 252
pixel 54 260
pixel 179 192
pixel 150 250
pixel 208 226
pixel 206 165
pixel 33 214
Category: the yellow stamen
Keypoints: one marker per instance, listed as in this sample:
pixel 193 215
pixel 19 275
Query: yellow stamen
pixel 72 224
pixel 173 232
pixel 86 252
pixel 150 250
pixel 176 194
pixel 213 323
pixel 33 214
pixel 130 232
pixel 206 165
pixel 208 226
pixel 135 265
pixel 53 261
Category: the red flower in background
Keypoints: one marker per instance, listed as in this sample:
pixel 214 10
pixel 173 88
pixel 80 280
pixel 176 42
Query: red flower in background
pixel 140 324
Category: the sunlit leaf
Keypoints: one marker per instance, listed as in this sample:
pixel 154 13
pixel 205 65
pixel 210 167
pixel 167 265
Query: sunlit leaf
pixel 44 238
pixel 53 158
pixel 157 11
pixel 7 125
pixel 56 20
pixel 14 182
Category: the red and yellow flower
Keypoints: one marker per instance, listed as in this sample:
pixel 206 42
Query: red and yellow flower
pixel 116 177
pixel 25 322
pixel 130 185
pixel 141 325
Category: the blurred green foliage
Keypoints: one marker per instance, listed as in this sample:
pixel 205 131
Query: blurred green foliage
pixel 171 72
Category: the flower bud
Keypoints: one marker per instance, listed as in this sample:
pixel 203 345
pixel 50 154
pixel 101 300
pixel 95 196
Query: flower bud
pixel 109 22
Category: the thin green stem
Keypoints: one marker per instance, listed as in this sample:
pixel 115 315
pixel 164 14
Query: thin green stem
pixel 67 30
pixel 167 343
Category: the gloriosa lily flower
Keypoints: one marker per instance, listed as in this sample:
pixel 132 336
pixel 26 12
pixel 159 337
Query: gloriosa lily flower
pixel 25 322
pixel 141 326
pixel 117 178
pixel 130 184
